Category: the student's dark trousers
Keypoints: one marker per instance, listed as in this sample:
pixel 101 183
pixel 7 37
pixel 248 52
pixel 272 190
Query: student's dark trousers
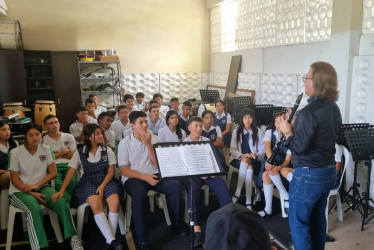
pixel 138 190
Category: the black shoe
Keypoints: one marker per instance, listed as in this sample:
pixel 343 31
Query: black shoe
pixel 115 245
pixel 198 241
pixel 266 215
pixel 181 228
pixel 143 246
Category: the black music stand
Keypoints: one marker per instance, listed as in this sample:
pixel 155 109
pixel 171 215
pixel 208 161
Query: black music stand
pixel 263 113
pixel 209 95
pixel 361 143
pixel 351 126
pixel 235 105
pixel 166 154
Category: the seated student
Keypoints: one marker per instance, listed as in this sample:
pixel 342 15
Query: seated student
pixel 76 129
pixel 90 107
pixel 7 143
pixel 174 103
pixel 234 227
pixel 172 132
pixel 98 109
pixel 97 182
pixel 137 160
pixel 281 167
pixel 139 102
pixel 338 164
pixel 105 120
pixel 216 184
pixel 31 168
pixel 210 131
pixel 223 120
pixel 155 122
pixel 128 100
pixel 63 147
pixel 185 116
pixel 247 149
pixel 151 103
pixel 122 124
pixel 163 108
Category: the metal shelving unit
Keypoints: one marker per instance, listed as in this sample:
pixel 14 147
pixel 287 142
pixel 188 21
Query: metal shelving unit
pixel 103 79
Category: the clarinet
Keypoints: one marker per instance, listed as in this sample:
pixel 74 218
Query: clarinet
pixel 271 160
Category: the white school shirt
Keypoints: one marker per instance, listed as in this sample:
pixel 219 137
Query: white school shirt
pixel 118 128
pixel 163 110
pixel 228 117
pixel 267 137
pixel 77 127
pixel 65 141
pixel 110 138
pixel 134 108
pixel 134 154
pixel 236 148
pixel 31 168
pixel 99 110
pixel 160 123
pixel 213 127
pixel 5 149
pixel 338 153
pixel 166 135
pixel 76 160
pixel 202 138
pixel 140 106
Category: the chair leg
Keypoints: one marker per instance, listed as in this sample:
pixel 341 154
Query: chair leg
pixel 55 225
pixel 284 215
pixel 166 210
pixel 151 203
pixel 229 175
pixel 206 195
pixel 9 235
pixel 339 206
pixel 24 223
pixel 122 221
pixel 327 214
pixel 80 218
pixel 186 214
pixel 4 208
pixel 128 213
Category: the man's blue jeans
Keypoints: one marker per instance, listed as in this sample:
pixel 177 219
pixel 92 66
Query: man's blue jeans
pixel 309 189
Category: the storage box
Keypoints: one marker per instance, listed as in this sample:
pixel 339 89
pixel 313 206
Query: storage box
pixel 107 58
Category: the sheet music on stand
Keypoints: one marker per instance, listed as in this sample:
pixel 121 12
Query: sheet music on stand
pixel 186 159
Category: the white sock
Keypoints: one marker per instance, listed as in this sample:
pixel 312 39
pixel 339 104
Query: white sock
pixel 289 176
pixel 248 186
pixel 113 221
pixel 241 177
pixel 102 223
pixel 268 193
pixel 279 184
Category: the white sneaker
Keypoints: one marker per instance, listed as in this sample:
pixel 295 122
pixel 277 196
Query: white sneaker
pixel 76 243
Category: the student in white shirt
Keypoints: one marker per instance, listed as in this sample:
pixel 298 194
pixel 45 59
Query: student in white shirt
pixel 163 108
pixel 7 143
pixel 29 188
pixel 105 120
pixel 172 132
pixel 98 109
pixel 137 160
pixel 98 182
pixel 155 122
pixel 174 103
pixel 128 100
pixel 184 117
pixel 223 120
pixel 247 149
pixel 76 129
pixel 119 126
pixel 90 107
pixel 139 101
pixel 63 147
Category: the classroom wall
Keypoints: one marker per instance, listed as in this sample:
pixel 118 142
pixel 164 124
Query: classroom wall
pixel 149 36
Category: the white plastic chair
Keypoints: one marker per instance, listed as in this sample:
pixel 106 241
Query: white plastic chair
pixel 229 175
pixel 52 215
pixel 150 194
pixel 4 208
pixel 335 192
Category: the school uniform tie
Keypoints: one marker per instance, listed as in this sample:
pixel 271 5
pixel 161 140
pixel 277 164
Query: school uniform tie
pixel 245 144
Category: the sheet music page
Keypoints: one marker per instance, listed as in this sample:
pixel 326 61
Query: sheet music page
pixel 197 158
pixel 170 162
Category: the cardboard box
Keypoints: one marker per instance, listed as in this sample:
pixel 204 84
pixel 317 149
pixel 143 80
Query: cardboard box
pixel 107 58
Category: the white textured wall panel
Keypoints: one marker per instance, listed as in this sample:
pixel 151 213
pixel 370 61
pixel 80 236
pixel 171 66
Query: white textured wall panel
pixel 318 20
pixel 181 85
pixel 220 78
pixel 368 17
pixel 362 103
pixel 250 81
pixel 148 83
pixel 215 30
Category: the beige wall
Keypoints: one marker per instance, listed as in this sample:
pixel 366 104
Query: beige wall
pixel 149 35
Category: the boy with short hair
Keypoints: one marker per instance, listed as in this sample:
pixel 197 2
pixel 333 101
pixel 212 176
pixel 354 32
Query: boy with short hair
pixel 163 108
pixel 90 107
pixel 138 164
pixel 215 183
pixel 63 147
pixel 155 122
pixel 128 100
pixel 174 103
pixel 139 102
pixel 98 109
pixel 185 116
pixel 105 120
pixel 119 126
pixel 76 129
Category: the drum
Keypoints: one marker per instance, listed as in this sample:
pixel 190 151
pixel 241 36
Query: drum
pixel 203 107
pixel 43 108
pixel 11 108
pixel 16 127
